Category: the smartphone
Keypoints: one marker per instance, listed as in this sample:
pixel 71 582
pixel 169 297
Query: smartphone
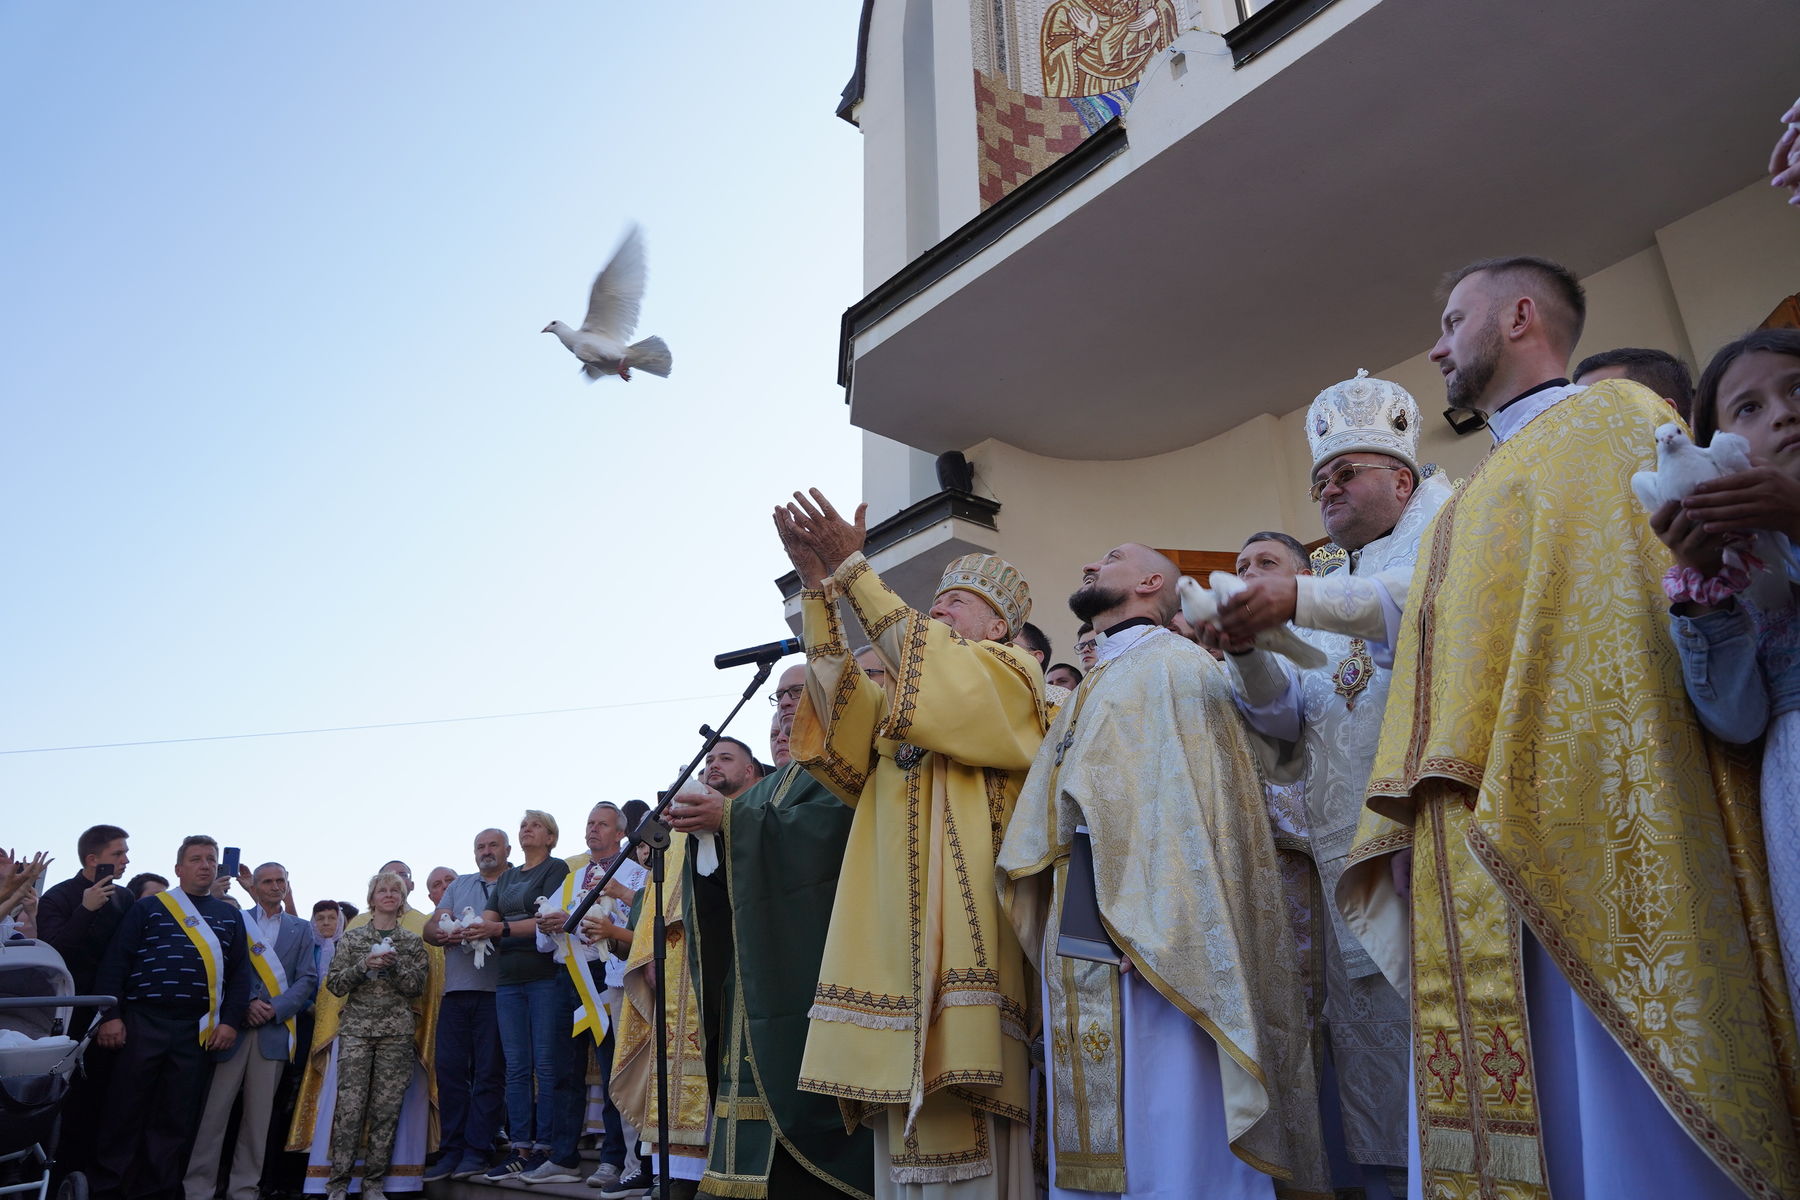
pixel 228 867
pixel 104 871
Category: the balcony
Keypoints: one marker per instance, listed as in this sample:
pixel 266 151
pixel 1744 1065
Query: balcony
pixel 1247 233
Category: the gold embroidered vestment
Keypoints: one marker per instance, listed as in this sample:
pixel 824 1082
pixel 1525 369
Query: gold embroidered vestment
pixel 921 999
pixel 1539 734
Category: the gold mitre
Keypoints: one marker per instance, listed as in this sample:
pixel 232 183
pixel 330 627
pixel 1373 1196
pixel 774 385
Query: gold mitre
pixel 994 580
pixel 1364 414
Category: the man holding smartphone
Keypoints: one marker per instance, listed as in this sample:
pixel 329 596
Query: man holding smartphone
pixel 78 915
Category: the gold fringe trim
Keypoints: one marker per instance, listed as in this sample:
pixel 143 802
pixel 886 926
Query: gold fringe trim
pixel 743 1108
pixel 1450 1150
pixel 849 1016
pixel 1513 1157
pixel 734 1186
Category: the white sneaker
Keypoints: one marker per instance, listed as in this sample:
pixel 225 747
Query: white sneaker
pixel 551 1171
pixel 604 1176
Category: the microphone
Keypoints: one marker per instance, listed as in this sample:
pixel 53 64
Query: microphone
pixel 768 652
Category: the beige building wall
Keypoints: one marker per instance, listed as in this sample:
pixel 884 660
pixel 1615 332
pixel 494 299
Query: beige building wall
pixel 1709 277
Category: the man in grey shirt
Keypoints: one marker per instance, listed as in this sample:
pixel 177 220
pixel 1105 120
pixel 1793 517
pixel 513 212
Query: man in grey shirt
pixel 470 1074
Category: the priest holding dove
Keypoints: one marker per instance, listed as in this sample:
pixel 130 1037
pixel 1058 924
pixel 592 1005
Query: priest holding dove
pixel 1185 1062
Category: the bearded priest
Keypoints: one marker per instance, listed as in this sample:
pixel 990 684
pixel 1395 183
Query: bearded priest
pixel 1188 1063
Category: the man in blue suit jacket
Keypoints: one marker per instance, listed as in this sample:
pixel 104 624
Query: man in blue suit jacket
pixel 282 984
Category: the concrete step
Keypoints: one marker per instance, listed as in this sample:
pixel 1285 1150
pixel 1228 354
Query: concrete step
pixel 510 1189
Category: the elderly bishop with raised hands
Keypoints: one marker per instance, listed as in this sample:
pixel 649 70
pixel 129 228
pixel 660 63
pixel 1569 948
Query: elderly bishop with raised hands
pixel 1188 1072
pixel 918 1022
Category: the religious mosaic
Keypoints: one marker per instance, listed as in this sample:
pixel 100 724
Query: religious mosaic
pixel 1050 72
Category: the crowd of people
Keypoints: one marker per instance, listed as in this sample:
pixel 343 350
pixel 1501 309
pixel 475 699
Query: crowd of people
pixel 372 1048
pixel 1503 899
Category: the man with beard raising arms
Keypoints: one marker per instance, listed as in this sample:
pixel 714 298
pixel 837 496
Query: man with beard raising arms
pixel 781 843
pixel 1185 1069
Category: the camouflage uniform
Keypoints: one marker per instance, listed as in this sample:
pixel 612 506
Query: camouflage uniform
pixel 375 1050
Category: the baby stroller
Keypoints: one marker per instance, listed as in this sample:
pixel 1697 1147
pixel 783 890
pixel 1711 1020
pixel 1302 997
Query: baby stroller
pixel 37 1062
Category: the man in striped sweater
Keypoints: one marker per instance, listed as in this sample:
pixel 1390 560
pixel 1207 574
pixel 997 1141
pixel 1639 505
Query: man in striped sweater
pixel 179 967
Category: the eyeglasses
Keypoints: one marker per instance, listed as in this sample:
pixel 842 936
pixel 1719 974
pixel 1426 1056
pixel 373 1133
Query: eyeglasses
pixel 1341 477
pixel 787 693
pixel 1087 645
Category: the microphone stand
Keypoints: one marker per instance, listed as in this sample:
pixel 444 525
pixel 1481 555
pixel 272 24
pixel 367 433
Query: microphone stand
pixel 653 831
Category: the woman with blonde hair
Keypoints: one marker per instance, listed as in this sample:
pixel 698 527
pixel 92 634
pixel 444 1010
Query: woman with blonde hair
pixel 378 968
pixel 534 1002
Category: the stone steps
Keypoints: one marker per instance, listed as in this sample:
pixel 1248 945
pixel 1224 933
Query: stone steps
pixel 512 1189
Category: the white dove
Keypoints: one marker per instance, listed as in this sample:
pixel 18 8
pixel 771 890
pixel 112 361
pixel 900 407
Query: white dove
pixel 1201 607
pixel 612 315
pixel 479 947
pixel 1682 466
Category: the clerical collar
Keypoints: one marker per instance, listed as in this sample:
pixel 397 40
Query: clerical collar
pixel 1530 391
pixel 1516 413
pixel 1123 636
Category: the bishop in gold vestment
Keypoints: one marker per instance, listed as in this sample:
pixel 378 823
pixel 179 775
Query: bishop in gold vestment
pixel 1539 739
pixel 919 1018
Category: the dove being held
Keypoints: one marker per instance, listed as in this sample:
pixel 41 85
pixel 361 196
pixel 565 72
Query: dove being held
pixel 1682 466
pixel 612 316
pixel 1201 607
pixel 480 947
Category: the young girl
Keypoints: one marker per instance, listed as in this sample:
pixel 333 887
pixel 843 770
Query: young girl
pixel 1741 659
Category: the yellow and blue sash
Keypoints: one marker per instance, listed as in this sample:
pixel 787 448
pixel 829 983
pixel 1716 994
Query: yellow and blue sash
pixel 591 1015
pixel 181 906
pixel 267 965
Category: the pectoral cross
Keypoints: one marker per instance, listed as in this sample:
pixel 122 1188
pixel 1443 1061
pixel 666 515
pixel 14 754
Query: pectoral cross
pixel 1068 740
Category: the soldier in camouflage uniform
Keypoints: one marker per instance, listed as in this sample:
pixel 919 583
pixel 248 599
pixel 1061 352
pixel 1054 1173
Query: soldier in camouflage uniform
pixel 375 1037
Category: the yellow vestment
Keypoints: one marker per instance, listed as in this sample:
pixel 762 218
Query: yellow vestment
pixel 1538 736
pixel 326 1009
pixel 634 1055
pixel 921 997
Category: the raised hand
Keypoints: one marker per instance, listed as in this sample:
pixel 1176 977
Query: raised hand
pixel 824 532
pixel 1784 160
pixel 806 563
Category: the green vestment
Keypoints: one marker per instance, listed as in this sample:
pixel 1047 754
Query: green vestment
pixel 783 844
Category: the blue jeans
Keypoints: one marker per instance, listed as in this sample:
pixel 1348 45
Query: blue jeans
pixel 543 1087
pixel 612 1144
pixel 469 1074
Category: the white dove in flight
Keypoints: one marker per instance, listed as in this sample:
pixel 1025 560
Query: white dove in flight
pixel 1682 466
pixel 612 315
pixel 1201 607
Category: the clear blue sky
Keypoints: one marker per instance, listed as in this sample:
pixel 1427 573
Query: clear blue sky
pixel 284 447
